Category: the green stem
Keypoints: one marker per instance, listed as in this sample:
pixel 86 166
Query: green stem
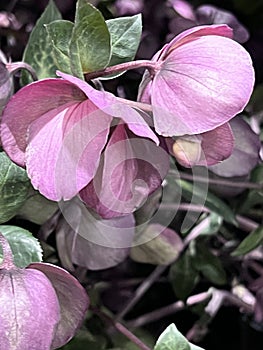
pixel 229 183
pixel 150 65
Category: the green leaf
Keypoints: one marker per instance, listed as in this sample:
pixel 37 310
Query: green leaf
pixel 25 248
pixel 39 46
pixel 252 241
pixel 172 339
pixel 14 187
pixel 183 276
pixel 209 264
pixel 125 35
pixel 211 201
pixel 90 38
pixel 60 33
pixel 254 196
pixel 37 208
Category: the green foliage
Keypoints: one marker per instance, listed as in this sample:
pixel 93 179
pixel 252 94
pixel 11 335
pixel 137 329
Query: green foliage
pixel 39 47
pixel 208 264
pixel 60 33
pixel 90 38
pixel 211 201
pixel 14 187
pixel 37 208
pixel 25 248
pixel 125 35
pixel 183 275
pixel 252 241
pixel 172 339
pixel 254 196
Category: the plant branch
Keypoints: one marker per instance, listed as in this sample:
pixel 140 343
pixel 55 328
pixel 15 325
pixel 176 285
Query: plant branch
pixel 141 290
pixel 228 183
pixel 120 328
pixel 156 314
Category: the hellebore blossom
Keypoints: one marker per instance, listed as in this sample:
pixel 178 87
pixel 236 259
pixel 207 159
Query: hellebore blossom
pixel 41 306
pixel 202 79
pixel 59 128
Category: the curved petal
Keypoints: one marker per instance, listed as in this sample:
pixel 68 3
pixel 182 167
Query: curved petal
pixel 245 155
pixel 208 14
pixel 201 85
pixel 195 33
pixel 131 169
pixel 30 310
pixel 73 301
pixel 183 8
pixel 27 105
pixel 63 150
pixel 205 149
pixel 109 104
pixel 217 145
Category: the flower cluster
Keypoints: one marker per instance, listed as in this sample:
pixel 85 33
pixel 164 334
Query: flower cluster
pixel 76 140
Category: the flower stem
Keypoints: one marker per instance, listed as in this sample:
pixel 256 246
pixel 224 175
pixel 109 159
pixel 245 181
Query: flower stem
pixel 150 65
pixel 229 183
pixel 16 66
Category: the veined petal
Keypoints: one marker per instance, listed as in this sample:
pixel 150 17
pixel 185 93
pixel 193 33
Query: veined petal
pixel 201 85
pixel 109 104
pixel 30 310
pixel 72 298
pixel 27 105
pixel 63 150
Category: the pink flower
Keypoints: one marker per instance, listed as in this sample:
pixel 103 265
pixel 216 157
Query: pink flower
pixel 59 128
pixel 42 305
pixel 202 79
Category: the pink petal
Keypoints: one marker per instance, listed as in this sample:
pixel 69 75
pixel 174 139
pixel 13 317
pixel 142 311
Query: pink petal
pixel 217 144
pixel 205 149
pixel 30 310
pixel 27 105
pixel 245 155
pixel 64 148
pixel 207 14
pixel 73 301
pixel 201 85
pixel 195 33
pixel 132 168
pixel 183 8
pixel 109 104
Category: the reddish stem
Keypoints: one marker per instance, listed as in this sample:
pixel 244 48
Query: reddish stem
pixel 150 65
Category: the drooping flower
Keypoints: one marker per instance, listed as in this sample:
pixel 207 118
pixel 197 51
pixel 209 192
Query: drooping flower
pixel 41 306
pixel 129 171
pixel 189 17
pixel 202 79
pixel 59 128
